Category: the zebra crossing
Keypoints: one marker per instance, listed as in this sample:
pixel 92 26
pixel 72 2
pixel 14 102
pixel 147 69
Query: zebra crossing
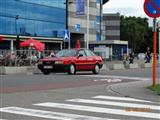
pixel 107 105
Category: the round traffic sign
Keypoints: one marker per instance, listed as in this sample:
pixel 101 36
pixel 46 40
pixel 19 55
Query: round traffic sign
pixel 152 8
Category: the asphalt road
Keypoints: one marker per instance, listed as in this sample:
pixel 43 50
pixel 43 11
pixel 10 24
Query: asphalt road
pixel 72 97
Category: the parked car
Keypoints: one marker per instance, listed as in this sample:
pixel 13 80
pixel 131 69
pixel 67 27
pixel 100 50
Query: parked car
pixel 71 61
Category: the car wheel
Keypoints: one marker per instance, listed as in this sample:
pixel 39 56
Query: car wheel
pixel 72 70
pixel 96 69
pixel 46 72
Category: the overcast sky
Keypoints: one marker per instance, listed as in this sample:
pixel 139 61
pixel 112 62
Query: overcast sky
pixel 126 7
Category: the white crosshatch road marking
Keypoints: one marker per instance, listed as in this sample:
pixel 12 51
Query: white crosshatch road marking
pixel 48 114
pixel 108 80
pixel 117 77
pixel 153 107
pixel 96 104
pixel 120 98
pixel 99 110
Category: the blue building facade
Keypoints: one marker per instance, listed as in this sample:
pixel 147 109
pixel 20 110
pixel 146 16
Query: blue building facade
pixel 32 17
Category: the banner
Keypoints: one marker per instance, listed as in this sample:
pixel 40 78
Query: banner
pixel 80 7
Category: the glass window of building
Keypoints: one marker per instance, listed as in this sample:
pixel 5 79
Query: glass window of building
pixel 32 17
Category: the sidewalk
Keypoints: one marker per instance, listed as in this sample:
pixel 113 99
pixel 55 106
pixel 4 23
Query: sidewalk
pixel 137 89
pixel 138 63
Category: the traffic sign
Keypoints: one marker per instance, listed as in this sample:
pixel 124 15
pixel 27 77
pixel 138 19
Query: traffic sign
pixel 152 8
pixel 77 27
pixel 66 35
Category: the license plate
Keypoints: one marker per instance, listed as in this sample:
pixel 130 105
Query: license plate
pixel 48 67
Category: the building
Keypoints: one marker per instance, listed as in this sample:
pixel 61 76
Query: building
pixel 90 21
pixel 46 21
pixel 111 45
pixel 30 18
pixel 111 24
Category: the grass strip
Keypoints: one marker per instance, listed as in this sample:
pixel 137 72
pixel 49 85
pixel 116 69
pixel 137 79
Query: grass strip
pixel 156 88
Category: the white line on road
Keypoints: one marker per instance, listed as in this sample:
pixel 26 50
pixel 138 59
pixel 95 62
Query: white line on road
pixel 118 77
pixel 108 80
pixel 121 104
pixel 120 98
pixel 99 110
pixel 48 114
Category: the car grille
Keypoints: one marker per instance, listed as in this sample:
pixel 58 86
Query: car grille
pixel 48 62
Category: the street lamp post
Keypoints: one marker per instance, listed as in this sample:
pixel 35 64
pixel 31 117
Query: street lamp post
pixel 159 45
pixel 67 3
pixel 159 39
pixel 87 40
pixel 16 18
pixel 17 35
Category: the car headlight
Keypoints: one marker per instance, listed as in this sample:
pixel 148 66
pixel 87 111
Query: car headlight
pixel 59 62
pixel 40 62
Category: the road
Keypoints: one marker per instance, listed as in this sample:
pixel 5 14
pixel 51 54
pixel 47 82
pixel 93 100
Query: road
pixel 73 97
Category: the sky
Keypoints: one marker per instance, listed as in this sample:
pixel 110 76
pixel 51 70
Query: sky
pixel 127 8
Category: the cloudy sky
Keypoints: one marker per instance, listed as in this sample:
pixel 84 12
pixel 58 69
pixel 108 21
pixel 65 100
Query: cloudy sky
pixel 126 7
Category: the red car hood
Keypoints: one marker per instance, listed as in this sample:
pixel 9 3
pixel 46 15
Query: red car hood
pixel 57 58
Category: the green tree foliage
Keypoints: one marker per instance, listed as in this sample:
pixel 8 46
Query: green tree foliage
pixel 136 31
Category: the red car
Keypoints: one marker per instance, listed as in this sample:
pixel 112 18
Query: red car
pixel 71 61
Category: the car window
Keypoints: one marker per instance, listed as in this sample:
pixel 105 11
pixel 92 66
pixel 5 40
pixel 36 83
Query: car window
pixel 82 52
pixel 89 53
pixel 66 53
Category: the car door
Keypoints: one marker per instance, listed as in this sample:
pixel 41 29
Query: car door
pixel 81 60
pixel 90 60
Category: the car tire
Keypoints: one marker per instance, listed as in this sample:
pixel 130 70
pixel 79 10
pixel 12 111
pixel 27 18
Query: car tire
pixel 96 69
pixel 46 72
pixel 71 69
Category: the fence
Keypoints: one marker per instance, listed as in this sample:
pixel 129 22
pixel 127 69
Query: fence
pixel 21 57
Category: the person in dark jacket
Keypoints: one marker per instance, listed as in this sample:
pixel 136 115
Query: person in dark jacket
pixel 131 58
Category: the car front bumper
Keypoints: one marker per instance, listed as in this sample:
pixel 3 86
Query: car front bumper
pixel 54 68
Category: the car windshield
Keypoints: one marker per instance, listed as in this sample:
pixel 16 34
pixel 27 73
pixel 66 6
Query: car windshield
pixel 66 53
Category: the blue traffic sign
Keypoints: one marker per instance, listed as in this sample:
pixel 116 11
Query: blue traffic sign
pixel 77 27
pixel 66 36
pixel 152 8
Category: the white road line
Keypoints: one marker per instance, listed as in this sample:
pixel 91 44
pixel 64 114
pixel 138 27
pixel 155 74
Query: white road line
pixel 121 104
pixel 121 98
pixel 48 114
pixel 99 110
pixel 108 80
pixel 117 77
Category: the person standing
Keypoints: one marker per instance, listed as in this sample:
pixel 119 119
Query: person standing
pixel 148 56
pixel 131 58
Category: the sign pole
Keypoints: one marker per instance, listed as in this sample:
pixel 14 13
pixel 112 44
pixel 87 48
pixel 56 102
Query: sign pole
pixel 87 40
pixel 159 39
pixel 154 51
pixel 152 9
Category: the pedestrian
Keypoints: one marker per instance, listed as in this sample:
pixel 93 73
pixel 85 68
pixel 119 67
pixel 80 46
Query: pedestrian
pixel 33 59
pixel 13 59
pixel 131 58
pixel 125 59
pixel 148 56
pixel 52 54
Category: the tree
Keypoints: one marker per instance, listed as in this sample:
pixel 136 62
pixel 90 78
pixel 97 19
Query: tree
pixel 136 31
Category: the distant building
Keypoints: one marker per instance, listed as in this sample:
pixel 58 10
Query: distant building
pixel 112 46
pixel 111 26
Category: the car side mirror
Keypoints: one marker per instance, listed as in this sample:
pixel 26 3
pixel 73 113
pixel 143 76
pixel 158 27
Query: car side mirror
pixel 80 55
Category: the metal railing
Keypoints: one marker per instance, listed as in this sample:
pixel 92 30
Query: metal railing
pixel 21 57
